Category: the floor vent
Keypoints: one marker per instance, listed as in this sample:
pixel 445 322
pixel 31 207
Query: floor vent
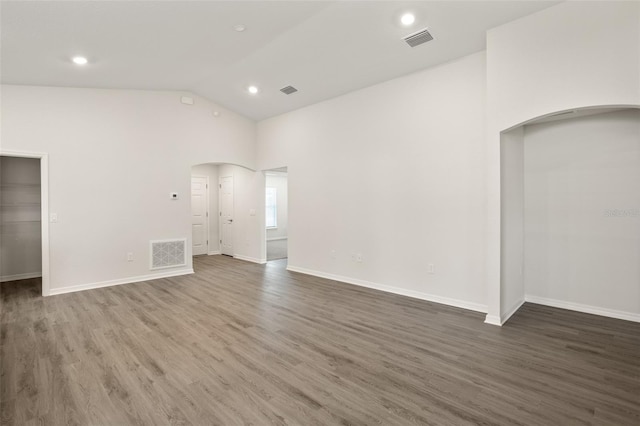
pixel 168 253
pixel 416 39
pixel 288 90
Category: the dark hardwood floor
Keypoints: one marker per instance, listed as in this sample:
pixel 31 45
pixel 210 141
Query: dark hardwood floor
pixel 241 343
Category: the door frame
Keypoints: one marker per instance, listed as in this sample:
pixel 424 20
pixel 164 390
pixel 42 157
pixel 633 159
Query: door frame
pixel 44 209
pixel 220 210
pixel 207 205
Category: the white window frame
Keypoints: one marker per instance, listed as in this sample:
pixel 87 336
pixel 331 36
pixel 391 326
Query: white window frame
pixel 275 207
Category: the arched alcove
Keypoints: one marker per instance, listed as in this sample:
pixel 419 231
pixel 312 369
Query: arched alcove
pixel 560 173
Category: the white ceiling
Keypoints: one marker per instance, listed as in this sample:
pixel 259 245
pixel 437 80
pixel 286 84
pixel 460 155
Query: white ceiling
pixel 322 48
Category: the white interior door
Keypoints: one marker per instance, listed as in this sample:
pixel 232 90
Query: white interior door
pixel 199 215
pixel 226 215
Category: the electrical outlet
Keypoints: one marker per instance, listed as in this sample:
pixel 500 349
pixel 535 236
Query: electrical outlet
pixel 359 257
pixel 129 257
pixel 430 268
pixel 333 255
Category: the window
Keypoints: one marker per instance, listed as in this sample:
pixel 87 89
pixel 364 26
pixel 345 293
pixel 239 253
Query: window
pixel 272 209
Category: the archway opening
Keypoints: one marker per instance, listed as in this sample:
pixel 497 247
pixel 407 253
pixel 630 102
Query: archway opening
pixel 570 212
pixel 227 212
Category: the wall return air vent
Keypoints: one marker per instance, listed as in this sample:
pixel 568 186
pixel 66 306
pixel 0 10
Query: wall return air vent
pixel 168 253
pixel 416 39
pixel 288 90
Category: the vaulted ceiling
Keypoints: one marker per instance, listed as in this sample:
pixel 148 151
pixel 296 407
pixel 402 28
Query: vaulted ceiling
pixel 323 48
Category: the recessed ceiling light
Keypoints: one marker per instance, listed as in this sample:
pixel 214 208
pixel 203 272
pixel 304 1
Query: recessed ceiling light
pixel 239 28
pixel 252 89
pixel 79 60
pixel 408 19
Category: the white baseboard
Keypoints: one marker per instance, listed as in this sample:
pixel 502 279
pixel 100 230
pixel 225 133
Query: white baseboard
pixel 395 290
pixel 17 277
pixel 493 320
pixel 121 281
pixel 277 238
pixel 250 259
pixel 505 317
pixel 213 253
pixel 587 309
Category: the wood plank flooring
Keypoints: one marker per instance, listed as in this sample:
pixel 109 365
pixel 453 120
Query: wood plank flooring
pixel 245 344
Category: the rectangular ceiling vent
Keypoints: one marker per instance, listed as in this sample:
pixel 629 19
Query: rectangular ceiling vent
pixel 288 90
pixel 416 39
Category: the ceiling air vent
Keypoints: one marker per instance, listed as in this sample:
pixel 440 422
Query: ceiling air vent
pixel 288 90
pixel 416 39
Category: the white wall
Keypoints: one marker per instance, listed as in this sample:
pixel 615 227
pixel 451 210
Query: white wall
pixel 512 216
pixel 394 172
pixel 248 219
pixel 575 54
pixel 578 53
pixel 114 157
pixel 211 171
pixel 280 183
pixel 20 234
pixel 579 251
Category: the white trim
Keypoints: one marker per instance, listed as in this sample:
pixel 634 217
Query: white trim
pixel 250 259
pixel 493 320
pixel 611 313
pixel 168 240
pixel 17 277
pixel 44 206
pixel 277 238
pixel 110 283
pixel 213 253
pixel 395 290
pixel 505 317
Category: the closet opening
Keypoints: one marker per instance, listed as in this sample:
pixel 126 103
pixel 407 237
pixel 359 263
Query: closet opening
pixel 24 224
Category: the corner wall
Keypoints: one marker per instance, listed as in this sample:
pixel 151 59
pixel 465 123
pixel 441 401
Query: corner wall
pixel 582 215
pixel 114 158
pixel 573 55
pixel 512 289
pixel 394 173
